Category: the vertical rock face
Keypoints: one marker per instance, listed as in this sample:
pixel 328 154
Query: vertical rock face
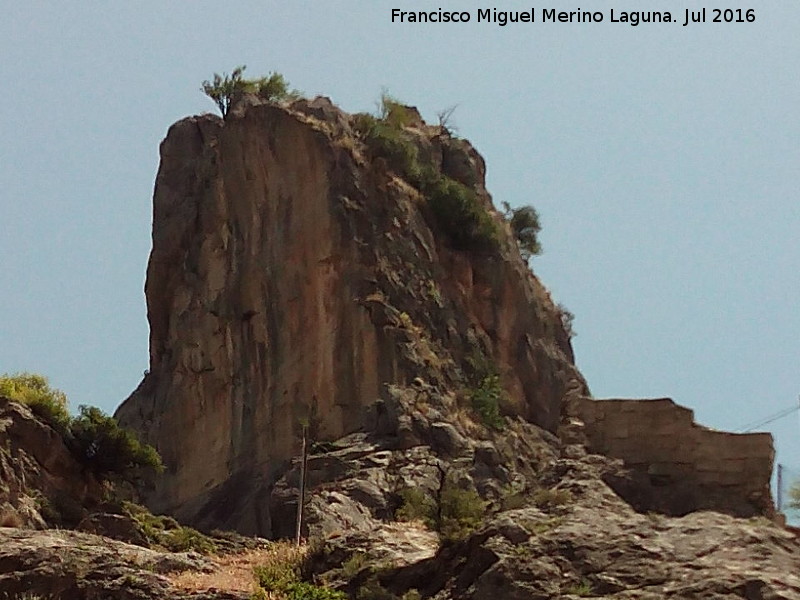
pixel 294 279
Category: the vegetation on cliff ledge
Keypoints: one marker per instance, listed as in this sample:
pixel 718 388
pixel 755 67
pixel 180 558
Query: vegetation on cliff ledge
pixel 526 226
pixel 456 207
pixel 453 511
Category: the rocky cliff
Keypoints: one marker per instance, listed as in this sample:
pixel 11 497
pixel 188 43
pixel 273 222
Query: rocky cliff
pixel 298 277
pixel 346 280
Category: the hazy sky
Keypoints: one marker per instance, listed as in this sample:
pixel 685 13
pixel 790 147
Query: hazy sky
pixel 664 161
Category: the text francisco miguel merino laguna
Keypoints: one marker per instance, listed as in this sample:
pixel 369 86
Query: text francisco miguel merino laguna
pixel 551 15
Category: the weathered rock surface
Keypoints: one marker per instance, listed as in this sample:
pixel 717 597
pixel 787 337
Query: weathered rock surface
pixel 603 549
pixel 80 566
pixel 40 479
pixel 292 279
pixel 570 535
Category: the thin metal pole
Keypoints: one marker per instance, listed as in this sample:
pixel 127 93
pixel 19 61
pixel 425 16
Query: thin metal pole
pixel 302 494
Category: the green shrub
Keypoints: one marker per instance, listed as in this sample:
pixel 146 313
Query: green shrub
pixel 283 579
pixel 95 438
pixel 455 513
pixel 485 400
pixel 486 394
pixel 273 88
pixel 354 565
pixel 461 216
pixel 301 590
pixel 108 449
pixel 461 510
pixel 526 227
pixel 417 506
pixel 456 207
pixel 372 589
pixel 394 113
pixel 567 319
pixel 549 498
pixel 165 532
pixel 545 525
pixel 34 390
pixel 513 500
pixel 387 141
pixel 582 589
pixel 276 577
pixel 185 539
pixel 222 88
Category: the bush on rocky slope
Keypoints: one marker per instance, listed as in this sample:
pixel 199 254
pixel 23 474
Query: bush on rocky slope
pixel 95 438
pixel 108 449
pixel 282 577
pixel 166 533
pixel 455 512
pixel 34 390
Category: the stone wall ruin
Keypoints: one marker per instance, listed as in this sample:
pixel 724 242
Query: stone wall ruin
pixel 686 467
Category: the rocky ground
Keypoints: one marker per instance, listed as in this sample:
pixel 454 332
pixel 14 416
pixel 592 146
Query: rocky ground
pixel 70 564
pixel 598 547
pixel 549 525
pixel 578 538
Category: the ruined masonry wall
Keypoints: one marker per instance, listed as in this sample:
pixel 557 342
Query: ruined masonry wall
pixel 706 468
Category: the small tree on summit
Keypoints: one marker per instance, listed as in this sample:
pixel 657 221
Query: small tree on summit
pixel 222 88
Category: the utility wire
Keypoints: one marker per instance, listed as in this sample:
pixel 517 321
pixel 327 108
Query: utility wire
pixel 766 421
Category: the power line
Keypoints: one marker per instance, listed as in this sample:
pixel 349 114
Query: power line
pixel 767 420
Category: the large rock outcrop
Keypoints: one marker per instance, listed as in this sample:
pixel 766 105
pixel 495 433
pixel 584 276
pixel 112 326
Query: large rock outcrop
pixel 41 481
pixel 296 278
pixel 596 546
pixel 69 564
pixel 301 283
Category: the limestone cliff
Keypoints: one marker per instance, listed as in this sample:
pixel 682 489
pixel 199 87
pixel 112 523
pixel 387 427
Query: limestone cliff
pixel 297 276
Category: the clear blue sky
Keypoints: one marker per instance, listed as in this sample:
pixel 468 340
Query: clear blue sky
pixel 664 161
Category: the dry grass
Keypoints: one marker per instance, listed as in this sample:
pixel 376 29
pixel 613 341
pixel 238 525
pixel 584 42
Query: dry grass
pixel 465 417
pixel 234 572
pixel 10 518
